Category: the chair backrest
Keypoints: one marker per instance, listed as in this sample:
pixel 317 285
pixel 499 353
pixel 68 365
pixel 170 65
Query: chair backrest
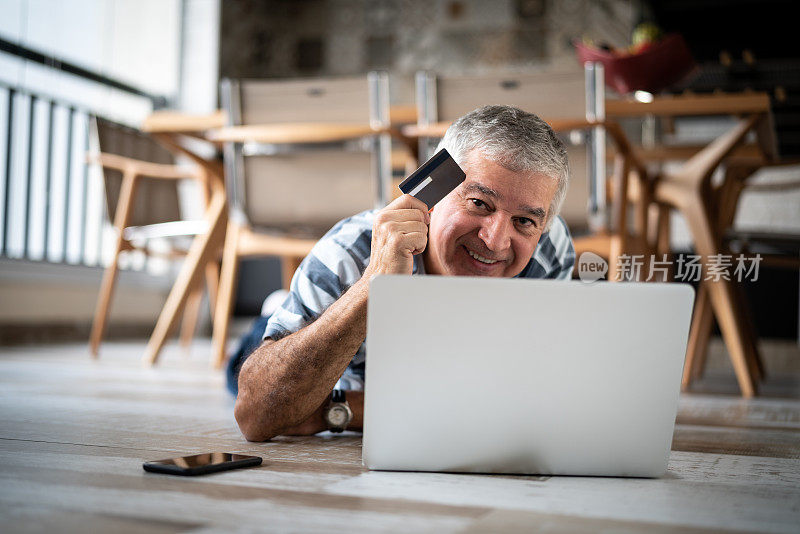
pixel 306 188
pixel 156 201
pixel 553 95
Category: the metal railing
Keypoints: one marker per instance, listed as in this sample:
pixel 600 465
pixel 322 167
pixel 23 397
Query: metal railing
pixel 45 177
pixel 52 208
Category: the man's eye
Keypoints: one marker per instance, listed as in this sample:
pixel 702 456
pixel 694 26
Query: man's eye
pixel 478 203
pixel 526 222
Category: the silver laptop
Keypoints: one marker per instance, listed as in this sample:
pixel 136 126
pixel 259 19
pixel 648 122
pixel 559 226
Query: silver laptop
pixel 523 376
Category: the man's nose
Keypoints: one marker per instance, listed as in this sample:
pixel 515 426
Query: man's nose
pixel 496 232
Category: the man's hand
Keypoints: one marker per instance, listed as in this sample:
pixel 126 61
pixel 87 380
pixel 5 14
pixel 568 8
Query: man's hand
pixel 400 231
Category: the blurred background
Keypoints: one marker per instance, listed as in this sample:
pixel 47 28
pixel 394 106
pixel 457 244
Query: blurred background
pixel 64 64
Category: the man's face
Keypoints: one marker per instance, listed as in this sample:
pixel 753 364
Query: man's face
pixel 491 223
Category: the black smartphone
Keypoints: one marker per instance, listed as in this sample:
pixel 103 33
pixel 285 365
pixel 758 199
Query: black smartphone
pixel 201 464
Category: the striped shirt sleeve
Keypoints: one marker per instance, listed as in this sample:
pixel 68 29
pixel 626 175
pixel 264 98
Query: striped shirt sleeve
pixel 335 263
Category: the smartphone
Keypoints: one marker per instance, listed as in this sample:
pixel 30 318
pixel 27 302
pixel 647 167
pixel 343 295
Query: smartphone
pixel 201 464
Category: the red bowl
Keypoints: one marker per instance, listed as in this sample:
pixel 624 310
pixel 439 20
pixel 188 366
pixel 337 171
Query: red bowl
pixel 664 63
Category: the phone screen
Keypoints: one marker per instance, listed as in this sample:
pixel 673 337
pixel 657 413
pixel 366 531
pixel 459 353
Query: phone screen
pixel 199 464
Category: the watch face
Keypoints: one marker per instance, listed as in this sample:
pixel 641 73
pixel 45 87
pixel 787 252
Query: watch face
pixel 337 416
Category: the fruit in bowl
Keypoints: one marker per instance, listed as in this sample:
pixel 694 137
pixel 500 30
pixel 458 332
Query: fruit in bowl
pixel 644 36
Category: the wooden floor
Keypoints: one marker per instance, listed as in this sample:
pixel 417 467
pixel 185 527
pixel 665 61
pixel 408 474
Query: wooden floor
pixel 74 433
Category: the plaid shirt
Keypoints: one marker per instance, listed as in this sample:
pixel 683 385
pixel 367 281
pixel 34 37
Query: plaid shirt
pixel 339 259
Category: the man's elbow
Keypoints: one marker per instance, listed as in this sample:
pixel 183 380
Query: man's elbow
pixel 253 427
pixel 249 412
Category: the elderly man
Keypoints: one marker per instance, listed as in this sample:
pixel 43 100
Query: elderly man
pixel 501 221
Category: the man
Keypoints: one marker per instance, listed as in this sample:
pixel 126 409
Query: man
pixel 516 180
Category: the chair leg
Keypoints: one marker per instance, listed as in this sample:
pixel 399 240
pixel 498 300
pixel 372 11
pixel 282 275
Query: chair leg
pixel 642 220
pixel 204 247
pixel 615 250
pixel 103 302
pixel 212 266
pixel 722 300
pixel 619 245
pixel 703 321
pixel 697 348
pixel 656 240
pixel 289 265
pixel 662 241
pixel 191 312
pixel 728 199
pixel 227 287
pixel 121 219
pixel 754 360
pixel 212 283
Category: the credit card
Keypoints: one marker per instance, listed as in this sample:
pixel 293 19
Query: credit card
pixel 434 179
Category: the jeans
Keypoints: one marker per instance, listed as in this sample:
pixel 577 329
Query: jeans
pixel 247 344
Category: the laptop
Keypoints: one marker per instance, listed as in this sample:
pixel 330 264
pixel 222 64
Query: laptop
pixel 519 376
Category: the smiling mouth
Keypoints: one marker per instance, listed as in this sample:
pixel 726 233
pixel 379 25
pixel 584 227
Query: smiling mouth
pixel 480 258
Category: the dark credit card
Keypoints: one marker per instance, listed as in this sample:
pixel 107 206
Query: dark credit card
pixel 434 179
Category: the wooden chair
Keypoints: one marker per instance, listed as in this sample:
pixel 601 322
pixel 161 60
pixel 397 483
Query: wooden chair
pixel 299 156
pixel 570 101
pixel 783 252
pixel 707 210
pixel 141 187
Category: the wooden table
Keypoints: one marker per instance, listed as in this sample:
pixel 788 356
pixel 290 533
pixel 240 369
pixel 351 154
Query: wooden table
pixel 178 122
pixel 286 133
pixel 169 128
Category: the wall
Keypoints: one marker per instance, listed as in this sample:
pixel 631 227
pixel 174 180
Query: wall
pixel 134 41
pixel 275 38
pixel 33 292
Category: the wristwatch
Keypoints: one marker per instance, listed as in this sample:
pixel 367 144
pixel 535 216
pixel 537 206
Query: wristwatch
pixel 337 412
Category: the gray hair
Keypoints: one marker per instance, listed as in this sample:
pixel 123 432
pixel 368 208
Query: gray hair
pixel 515 139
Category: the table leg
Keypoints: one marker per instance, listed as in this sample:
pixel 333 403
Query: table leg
pixel 191 312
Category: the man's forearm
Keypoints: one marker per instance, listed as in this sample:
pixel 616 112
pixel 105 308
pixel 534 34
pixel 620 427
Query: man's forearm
pixel 285 382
